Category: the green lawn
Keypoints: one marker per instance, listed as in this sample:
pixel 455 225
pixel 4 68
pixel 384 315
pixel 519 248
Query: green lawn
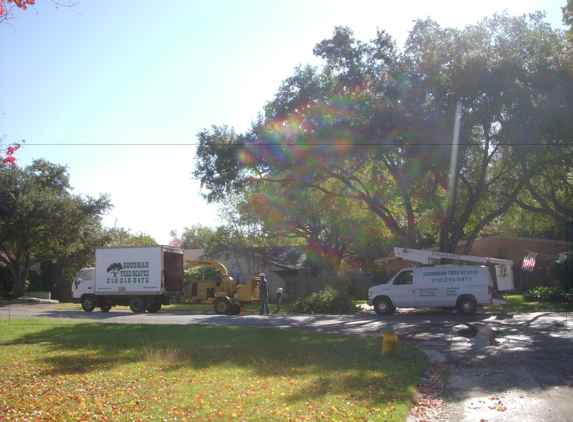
pixel 84 371
pixel 515 303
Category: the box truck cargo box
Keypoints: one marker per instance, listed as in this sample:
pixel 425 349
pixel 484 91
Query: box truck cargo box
pixel 142 277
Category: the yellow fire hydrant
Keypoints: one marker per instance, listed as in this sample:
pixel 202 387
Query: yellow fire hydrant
pixel 389 340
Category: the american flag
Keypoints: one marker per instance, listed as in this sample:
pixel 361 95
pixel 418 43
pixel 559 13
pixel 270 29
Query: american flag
pixel 529 261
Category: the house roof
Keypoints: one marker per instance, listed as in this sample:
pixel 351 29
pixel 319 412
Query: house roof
pixel 193 254
pixel 291 255
pixel 277 260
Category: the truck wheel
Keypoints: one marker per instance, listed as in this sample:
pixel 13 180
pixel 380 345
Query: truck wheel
pixel 105 308
pixel 88 303
pixel 222 306
pixel 154 307
pixel 235 309
pixel 467 305
pixel 137 305
pixel 383 306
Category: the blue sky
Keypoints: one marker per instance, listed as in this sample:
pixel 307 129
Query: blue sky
pixel 117 91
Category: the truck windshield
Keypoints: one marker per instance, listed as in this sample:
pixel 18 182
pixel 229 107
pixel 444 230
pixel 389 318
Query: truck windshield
pixel 405 277
pixel 84 276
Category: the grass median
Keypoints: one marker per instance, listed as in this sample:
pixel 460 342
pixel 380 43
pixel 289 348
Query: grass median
pixel 83 371
pixel 515 303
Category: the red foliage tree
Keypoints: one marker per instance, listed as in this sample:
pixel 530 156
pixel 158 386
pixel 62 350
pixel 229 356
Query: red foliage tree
pixel 6 6
pixel 22 4
pixel 9 153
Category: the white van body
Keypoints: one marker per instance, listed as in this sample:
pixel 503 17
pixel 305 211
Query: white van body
pixel 460 286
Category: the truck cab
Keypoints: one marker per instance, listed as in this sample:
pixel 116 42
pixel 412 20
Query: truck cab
pixel 84 286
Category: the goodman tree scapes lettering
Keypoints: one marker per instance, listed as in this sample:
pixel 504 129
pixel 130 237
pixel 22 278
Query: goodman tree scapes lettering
pixel 130 272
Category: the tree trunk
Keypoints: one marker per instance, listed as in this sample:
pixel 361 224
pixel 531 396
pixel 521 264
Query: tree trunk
pixel 19 276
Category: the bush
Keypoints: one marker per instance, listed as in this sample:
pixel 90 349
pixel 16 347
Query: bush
pixel 562 270
pixel 328 301
pixel 344 284
pixel 547 294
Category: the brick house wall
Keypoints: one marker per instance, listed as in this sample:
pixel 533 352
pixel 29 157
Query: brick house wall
pixel 514 248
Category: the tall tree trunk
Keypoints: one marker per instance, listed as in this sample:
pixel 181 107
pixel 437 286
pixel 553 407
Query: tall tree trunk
pixel 19 275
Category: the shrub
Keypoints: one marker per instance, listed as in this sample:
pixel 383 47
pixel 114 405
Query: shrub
pixel 328 301
pixel 343 283
pixel 547 294
pixel 562 270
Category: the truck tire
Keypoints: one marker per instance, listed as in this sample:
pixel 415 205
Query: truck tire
pixel 88 303
pixel 383 306
pixel 137 305
pixel 154 307
pixel 467 305
pixel 222 306
pixel 235 309
pixel 105 308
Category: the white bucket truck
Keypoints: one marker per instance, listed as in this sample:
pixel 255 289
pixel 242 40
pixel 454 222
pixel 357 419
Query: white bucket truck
pixel 141 277
pixel 428 286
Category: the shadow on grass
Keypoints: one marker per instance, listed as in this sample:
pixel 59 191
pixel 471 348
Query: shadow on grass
pixel 318 364
pixel 361 383
pixel 86 347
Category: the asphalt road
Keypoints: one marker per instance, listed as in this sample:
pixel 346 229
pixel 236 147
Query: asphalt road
pixel 501 366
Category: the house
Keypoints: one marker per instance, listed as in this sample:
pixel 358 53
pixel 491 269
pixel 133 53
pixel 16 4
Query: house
pixel 505 247
pixel 243 264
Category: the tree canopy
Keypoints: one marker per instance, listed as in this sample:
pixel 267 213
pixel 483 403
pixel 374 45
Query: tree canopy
pixel 568 20
pixel 41 220
pixel 119 236
pixel 197 236
pixel 374 125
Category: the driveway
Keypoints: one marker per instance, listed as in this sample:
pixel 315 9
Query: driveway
pixel 500 366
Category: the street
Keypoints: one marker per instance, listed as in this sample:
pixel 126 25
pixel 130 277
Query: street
pixel 500 366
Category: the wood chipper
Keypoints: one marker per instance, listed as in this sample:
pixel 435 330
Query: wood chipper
pixel 226 296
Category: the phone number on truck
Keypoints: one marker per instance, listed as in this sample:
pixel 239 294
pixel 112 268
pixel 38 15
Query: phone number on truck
pixel 450 279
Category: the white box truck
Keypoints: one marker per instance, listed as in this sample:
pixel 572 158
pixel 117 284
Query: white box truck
pixel 141 277
pixel 430 286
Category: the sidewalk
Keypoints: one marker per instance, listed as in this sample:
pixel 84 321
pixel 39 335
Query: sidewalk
pixel 515 370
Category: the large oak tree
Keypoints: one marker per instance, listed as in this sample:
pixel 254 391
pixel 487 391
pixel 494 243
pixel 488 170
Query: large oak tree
pixel 375 125
pixel 41 219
